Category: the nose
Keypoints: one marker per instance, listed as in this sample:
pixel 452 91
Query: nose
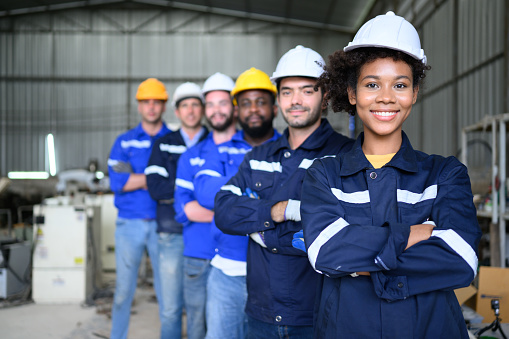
pixel 386 95
pixel 296 98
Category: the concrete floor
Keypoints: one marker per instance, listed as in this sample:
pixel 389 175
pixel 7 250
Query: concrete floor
pixel 73 321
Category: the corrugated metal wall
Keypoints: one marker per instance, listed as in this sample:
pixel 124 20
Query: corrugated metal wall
pixel 74 73
pixel 464 43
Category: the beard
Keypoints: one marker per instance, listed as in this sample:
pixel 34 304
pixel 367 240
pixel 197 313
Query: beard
pixel 257 131
pixel 220 127
pixel 312 117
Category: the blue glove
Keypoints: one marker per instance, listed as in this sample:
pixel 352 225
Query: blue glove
pixel 298 241
pixel 250 193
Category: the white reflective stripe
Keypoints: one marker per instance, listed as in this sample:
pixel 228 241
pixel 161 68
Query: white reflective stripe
pixel 429 222
pixel 184 184
pixel 157 170
pixel 112 162
pixel 413 198
pixel 459 245
pixel 232 150
pixel 197 161
pixel 210 173
pixel 177 149
pixel 265 166
pixel 306 163
pixel 292 211
pixel 323 237
pixel 361 197
pixel 135 143
pixel 232 188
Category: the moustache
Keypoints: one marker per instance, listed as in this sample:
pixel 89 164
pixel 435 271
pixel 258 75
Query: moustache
pixel 297 108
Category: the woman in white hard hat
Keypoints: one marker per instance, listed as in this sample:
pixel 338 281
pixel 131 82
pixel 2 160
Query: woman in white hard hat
pixel 393 230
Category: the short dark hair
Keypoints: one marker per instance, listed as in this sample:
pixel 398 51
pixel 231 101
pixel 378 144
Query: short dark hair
pixel 344 69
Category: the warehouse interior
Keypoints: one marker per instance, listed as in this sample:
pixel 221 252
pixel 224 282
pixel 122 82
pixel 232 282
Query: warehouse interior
pixel 69 72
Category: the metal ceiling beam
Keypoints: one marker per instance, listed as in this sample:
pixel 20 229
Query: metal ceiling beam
pixel 57 7
pixel 254 16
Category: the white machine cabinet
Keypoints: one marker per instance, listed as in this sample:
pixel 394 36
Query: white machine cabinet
pixel 66 260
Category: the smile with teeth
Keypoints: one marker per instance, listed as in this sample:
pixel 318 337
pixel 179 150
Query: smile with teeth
pixel 384 114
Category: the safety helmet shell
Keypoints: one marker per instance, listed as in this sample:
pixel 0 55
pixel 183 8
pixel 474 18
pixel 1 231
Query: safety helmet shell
pixel 185 91
pixel 151 89
pixel 389 31
pixel 299 62
pixel 252 79
pixel 217 82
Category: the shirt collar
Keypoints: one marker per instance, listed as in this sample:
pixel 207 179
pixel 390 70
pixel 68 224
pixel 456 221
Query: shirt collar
pixel 355 160
pixel 140 132
pixel 239 136
pixel 191 142
pixel 316 140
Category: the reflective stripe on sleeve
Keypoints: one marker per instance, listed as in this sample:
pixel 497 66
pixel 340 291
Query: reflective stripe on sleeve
pixel 323 237
pixel 184 184
pixel 459 245
pixel 157 170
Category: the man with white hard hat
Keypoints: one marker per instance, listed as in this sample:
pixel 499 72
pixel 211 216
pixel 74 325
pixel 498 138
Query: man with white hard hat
pixel 254 99
pixel 263 200
pixel 161 173
pixel 199 244
pixel 136 224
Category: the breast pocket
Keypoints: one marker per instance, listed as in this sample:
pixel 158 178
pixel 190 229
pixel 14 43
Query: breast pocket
pixel 262 183
pixel 414 214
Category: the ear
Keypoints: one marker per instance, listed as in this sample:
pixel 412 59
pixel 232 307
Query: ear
pixel 416 92
pixel 325 103
pixel 352 97
pixel 177 113
pixel 275 110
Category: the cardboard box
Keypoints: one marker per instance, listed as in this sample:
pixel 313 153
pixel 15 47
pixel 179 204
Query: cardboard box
pixel 493 284
pixel 464 294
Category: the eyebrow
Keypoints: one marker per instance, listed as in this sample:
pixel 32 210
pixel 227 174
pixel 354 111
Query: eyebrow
pixel 302 87
pixel 376 77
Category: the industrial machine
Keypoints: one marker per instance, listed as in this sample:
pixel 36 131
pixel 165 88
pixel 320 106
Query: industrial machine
pixel 14 267
pixel 66 258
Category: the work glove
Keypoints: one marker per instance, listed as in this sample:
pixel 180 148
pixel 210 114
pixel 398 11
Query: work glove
pixel 122 167
pixel 298 241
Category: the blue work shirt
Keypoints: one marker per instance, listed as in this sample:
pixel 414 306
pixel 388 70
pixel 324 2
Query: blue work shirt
pixel 133 147
pixel 280 281
pixel 357 219
pixel 216 172
pixel 198 240
pixel 161 172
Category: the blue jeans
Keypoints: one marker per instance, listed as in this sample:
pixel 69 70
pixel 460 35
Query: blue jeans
pixel 132 236
pixel 171 249
pixel 196 273
pixel 257 329
pixel 226 300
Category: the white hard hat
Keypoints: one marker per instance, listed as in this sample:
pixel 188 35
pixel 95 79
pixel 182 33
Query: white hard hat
pixel 218 82
pixel 389 31
pixel 185 91
pixel 299 62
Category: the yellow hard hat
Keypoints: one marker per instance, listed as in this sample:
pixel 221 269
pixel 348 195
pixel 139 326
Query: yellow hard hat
pixel 151 89
pixel 252 79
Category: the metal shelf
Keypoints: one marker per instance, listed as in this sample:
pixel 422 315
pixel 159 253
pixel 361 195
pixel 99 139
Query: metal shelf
pixel 497 126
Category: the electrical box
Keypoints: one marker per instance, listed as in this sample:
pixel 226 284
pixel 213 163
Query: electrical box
pixel 66 259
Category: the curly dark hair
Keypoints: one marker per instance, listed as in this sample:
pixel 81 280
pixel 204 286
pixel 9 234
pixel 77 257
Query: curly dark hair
pixel 344 70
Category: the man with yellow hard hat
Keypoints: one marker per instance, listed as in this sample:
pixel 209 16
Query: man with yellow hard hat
pixel 136 221
pixel 254 99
